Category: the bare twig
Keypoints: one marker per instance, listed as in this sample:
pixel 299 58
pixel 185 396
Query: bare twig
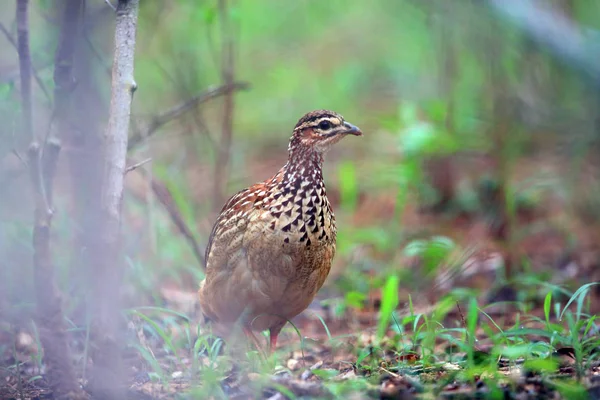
pixel 137 165
pixel 462 317
pixel 11 40
pixel 182 87
pixel 164 196
pixel 165 117
pixel 18 155
pixel 173 113
pixel 110 5
pixel 107 378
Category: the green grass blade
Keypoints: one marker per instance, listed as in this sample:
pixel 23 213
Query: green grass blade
pixel 389 302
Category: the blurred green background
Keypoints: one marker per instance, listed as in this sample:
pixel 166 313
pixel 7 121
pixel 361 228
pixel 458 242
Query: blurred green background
pixel 479 141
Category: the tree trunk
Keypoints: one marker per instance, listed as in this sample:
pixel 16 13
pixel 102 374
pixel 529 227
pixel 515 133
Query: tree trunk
pixel 107 378
pixel 43 158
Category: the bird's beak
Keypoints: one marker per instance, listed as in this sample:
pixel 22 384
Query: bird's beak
pixel 352 129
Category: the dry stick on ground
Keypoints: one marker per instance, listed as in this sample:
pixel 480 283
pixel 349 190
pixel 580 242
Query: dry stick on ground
pixel 163 118
pixel 42 164
pixel 227 72
pixel 108 374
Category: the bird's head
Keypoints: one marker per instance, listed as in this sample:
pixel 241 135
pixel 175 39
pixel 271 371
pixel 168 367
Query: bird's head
pixel 319 130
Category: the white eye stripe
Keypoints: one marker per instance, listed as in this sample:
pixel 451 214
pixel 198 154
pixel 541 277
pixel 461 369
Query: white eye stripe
pixel 333 121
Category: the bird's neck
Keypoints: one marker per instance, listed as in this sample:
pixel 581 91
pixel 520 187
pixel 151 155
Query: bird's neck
pixel 304 164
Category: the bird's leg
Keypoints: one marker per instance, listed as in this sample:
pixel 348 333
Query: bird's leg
pixel 272 342
pixel 273 335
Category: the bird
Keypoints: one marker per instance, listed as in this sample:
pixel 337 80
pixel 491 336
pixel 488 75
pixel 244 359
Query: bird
pixel 272 245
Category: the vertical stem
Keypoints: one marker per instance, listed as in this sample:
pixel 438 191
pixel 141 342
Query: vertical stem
pixel 43 158
pixel 24 67
pixel 108 371
pixel 441 166
pixel 63 60
pixel 502 226
pixel 227 72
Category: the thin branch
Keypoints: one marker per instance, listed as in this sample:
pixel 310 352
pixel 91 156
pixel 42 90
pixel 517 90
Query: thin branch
pixel 110 5
pixel 163 195
pixel 18 155
pixel 197 116
pixel 11 40
pixel 165 117
pixel 173 113
pixel 137 165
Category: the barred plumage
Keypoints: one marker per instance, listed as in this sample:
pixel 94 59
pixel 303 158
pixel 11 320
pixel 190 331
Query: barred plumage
pixel 272 245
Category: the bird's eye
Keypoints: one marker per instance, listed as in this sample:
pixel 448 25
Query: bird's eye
pixel 324 125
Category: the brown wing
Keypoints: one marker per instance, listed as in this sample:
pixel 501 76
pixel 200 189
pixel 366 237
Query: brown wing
pixel 248 263
pixel 239 209
pixel 234 202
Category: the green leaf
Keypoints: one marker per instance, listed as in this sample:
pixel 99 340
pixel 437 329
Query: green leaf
pixel 325 374
pixel 325 326
pixel 417 138
pixel 161 332
pixel 355 299
pixel 433 252
pixel 571 390
pixel 364 353
pixel 389 302
pixel 472 316
pixel 136 310
pixel 514 352
pixel 547 305
pixel 581 292
pixel 541 365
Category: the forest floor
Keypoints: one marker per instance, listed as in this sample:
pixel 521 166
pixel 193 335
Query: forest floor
pixel 452 335
pixel 348 361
